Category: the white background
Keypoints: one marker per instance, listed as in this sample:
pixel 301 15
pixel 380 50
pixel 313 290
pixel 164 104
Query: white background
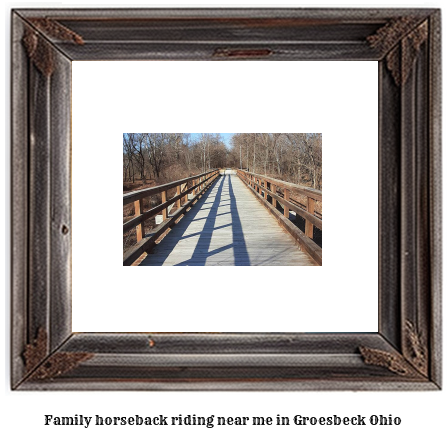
pixel 110 98
pixel 423 414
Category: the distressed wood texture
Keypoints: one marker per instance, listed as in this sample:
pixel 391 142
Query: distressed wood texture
pixel 405 354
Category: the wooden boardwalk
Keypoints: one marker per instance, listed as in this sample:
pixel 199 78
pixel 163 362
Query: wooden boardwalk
pixel 228 227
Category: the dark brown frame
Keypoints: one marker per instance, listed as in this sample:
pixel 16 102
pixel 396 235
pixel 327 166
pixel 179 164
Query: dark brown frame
pixel 406 352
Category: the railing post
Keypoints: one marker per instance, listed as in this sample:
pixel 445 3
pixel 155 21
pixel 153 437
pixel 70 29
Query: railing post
pixel 140 227
pixel 185 198
pixel 286 197
pixel 163 200
pixel 179 201
pixel 309 226
pixel 273 187
pixel 265 189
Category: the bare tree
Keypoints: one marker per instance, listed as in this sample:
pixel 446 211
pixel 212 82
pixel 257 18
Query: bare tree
pixel 157 148
pixel 133 150
pixel 293 157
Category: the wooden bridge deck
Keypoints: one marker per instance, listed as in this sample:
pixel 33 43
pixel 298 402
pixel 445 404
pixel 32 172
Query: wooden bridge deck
pixel 228 227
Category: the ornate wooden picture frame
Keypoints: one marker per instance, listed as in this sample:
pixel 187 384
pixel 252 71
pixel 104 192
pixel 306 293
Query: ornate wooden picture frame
pixel 405 354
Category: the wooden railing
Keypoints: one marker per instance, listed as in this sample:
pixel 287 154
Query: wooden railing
pixel 196 185
pixel 282 192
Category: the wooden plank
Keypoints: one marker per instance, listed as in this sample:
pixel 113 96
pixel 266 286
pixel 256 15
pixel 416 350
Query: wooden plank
pixel 20 220
pixel 309 231
pixel 61 207
pixel 436 183
pixel 39 205
pixel 286 207
pixel 153 211
pixel 182 189
pixel 139 194
pixel 298 210
pixel 227 227
pixel 181 29
pixel 306 244
pixel 179 201
pixel 163 200
pixel 294 188
pixel 148 242
pixel 219 234
pixel 140 226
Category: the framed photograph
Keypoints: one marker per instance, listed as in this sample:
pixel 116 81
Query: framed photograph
pixel 186 345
